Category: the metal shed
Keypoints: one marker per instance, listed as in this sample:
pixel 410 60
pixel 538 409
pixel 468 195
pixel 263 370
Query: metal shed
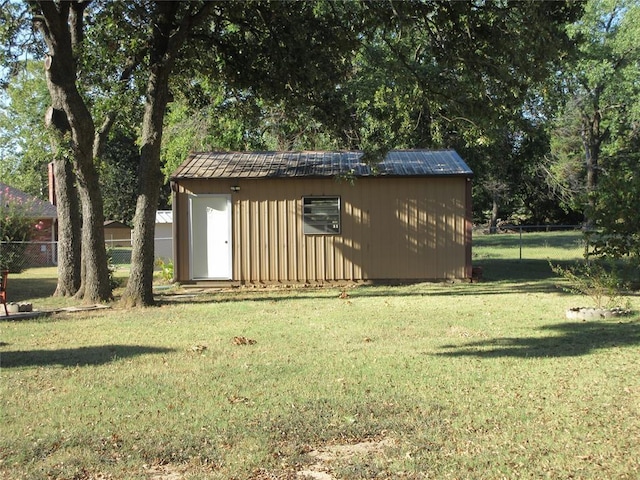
pixel 316 217
pixel 117 234
pixel 163 241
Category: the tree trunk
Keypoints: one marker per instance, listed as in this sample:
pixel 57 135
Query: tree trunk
pixel 498 189
pixel 169 35
pixel 139 291
pixel 65 197
pixel 493 225
pixel 56 24
pixel 96 286
pixel 592 154
pixel 69 229
pixel 592 138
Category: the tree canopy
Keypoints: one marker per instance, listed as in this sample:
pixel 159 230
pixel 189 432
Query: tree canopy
pixel 598 90
pixel 25 148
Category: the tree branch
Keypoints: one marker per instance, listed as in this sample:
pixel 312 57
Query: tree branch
pixel 110 118
pixel 76 21
pixel 190 20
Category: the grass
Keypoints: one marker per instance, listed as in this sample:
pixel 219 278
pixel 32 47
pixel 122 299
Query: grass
pixel 516 258
pixel 483 380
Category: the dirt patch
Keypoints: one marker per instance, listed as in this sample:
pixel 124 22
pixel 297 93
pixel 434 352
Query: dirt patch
pixel 320 468
pixel 164 472
pixel 325 456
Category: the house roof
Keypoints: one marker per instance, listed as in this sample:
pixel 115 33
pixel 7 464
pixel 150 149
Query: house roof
pixel 399 163
pixel 36 207
pixel 115 224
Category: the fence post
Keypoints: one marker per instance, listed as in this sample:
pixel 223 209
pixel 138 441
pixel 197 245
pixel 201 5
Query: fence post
pixel 520 228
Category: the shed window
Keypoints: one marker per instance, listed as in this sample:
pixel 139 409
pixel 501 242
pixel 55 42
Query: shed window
pixel 321 215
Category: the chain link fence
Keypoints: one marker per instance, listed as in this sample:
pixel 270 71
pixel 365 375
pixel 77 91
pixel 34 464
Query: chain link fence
pixel 17 256
pixel 120 253
pixel 529 242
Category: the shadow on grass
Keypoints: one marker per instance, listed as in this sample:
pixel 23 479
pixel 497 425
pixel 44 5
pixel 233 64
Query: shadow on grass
pixel 24 288
pixel 514 270
pixel 574 339
pixel 500 276
pixel 71 357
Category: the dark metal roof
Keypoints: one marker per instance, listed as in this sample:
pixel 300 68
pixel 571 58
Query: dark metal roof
pixel 399 163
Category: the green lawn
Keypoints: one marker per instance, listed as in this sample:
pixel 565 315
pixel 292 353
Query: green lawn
pixel 483 380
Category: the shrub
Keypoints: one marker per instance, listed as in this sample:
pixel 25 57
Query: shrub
pixel 598 279
pixel 16 228
pixel 111 268
pixel 166 269
pixel 615 213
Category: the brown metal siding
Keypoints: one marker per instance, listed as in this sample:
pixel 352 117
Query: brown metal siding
pixel 117 236
pixel 391 229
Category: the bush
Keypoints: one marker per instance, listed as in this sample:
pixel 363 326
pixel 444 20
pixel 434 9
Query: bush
pixel 616 216
pixel 166 269
pixel 598 279
pixel 16 228
pixel 111 268
pixel 13 256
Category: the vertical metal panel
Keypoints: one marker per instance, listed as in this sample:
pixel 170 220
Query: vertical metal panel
pixel 468 230
pixel 392 228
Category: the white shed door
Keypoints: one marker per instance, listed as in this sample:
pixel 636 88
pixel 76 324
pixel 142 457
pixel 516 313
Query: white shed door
pixel 210 232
